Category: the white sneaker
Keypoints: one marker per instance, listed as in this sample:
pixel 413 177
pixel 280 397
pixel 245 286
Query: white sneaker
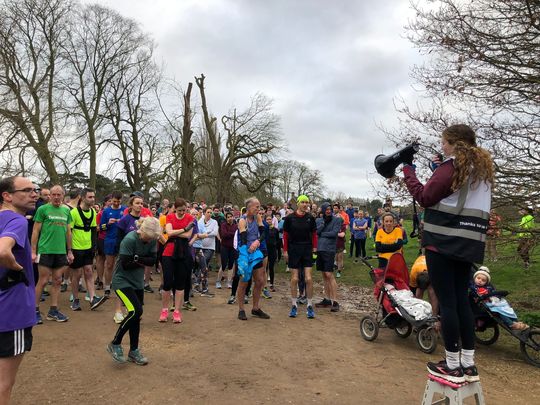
pixel 229 285
pixel 218 285
pixel 118 317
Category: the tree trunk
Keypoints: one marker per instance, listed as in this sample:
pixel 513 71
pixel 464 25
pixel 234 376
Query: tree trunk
pixel 186 184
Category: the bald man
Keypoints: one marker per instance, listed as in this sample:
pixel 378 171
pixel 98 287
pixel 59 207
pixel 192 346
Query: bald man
pixel 51 249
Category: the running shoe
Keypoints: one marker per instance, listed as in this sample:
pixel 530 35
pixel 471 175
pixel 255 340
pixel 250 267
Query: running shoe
pixel 118 317
pixel 335 307
pixel 63 288
pixel 218 285
pixel 266 294
pixel 97 301
pixel 148 289
pixel 71 298
pixel 338 274
pixel 206 293
pixel 232 300
pixel 325 303
pixel 246 300
pixel 99 286
pixel 242 315
pixel 45 293
pixel 76 305
pixel 440 369
pixel 293 312
pixel 272 288
pixel 82 289
pixel 39 318
pixel 259 313
pixel 164 315
pixel 188 306
pixel 310 312
pixel 42 298
pixel 107 293
pixel 302 300
pixel 135 356
pixel 56 315
pixel 471 374
pixel 117 353
pixel 177 316
pixel 229 285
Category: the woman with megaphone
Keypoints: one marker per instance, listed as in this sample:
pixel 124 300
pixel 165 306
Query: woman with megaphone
pixel 457 201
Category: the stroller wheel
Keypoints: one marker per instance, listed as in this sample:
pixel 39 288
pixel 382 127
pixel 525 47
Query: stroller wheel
pixel 531 348
pixel 369 328
pixel 403 330
pixel 488 336
pixel 426 339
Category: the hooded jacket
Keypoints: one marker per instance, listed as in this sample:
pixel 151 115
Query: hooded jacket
pixel 327 230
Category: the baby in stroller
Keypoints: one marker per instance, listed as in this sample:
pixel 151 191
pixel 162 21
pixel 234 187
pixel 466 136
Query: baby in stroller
pixel 494 300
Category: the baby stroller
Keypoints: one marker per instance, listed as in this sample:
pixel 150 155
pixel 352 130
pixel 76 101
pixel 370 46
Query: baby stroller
pixel 396 307
pixel 488 324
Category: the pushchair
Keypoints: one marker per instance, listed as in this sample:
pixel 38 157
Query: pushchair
pixel 391 286
pixel 488 324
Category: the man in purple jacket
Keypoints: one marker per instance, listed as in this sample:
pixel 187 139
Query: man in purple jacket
pixel 18 195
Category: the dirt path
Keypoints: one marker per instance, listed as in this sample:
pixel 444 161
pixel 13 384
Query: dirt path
pixel 212 358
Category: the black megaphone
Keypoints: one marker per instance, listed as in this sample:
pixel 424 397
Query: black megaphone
pixel 386 165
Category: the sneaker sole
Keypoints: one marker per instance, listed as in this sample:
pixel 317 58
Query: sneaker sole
pixel 456 380
pixel 471 379
pixel 76 309
pixel 56 319
pixel 137 362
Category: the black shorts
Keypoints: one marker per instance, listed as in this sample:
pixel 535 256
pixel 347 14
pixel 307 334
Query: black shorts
pixel 82 258
pixel 300 256
pixel 325 261
pixel 101 247
pixel 15 342
pixel 53 261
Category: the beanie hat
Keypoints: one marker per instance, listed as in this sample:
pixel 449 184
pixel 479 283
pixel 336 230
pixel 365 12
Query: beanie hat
pixel 302 198
pixel 484 271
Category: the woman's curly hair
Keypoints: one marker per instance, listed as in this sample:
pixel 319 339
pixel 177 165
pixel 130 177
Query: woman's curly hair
pixel 469 159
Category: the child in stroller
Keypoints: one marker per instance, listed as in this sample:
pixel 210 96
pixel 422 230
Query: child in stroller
pixel 400 310
pixel 494 300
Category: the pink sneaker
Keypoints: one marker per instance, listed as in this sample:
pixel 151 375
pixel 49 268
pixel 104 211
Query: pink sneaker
pixel 164 315
pixel 177 316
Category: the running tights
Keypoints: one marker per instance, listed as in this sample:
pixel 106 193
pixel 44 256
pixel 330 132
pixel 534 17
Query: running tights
pixel 133 300
pixel 450 280
pixel 360 245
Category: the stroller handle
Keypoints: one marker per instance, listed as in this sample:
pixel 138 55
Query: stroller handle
pixel 366 259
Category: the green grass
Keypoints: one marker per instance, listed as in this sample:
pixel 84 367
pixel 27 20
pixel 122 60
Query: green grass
pixel 507 274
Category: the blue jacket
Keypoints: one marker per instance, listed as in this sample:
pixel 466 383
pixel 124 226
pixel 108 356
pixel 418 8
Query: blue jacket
pixel 327 234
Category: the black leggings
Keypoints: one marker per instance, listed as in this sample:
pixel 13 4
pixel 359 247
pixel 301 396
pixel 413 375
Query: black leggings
pixel 228 256
pixel 272 257
pixel 450 280
pixel 360 247
pixel 133 301
pixel 352 246
pixel 236 280
pixel 176 273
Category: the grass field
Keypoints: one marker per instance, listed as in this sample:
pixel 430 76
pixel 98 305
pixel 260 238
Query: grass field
pixel 507 273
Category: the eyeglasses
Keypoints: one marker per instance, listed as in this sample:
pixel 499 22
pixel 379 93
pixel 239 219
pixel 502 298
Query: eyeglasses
pixel 26 190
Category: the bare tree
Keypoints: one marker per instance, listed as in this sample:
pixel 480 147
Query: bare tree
pixel 99 47
pixel 131 110
pixel 231 156
pixel 180 168
pixel 31 33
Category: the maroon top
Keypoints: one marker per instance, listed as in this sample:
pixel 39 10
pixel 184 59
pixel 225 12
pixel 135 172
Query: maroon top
pixel 439 186
pixel 226 232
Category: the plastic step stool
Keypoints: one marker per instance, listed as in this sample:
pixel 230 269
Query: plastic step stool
pixel 453 394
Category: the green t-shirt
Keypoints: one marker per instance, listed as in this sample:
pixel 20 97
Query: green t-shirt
pixel 82 239
pixel 132 278
pixel 54 223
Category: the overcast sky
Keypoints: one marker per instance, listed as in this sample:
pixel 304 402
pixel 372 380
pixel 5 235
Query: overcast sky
pixel 333 69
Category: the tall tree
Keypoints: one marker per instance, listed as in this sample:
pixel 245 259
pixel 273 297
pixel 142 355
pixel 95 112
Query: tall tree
pixel 100 46
pixel 247 139
pixel 31 34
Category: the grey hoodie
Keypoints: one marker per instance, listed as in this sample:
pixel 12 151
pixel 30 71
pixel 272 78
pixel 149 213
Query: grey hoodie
pixel 327 233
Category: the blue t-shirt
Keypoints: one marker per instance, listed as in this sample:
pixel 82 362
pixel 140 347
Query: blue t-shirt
pixel 359 234
pixel 18 303
pixel 110 229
